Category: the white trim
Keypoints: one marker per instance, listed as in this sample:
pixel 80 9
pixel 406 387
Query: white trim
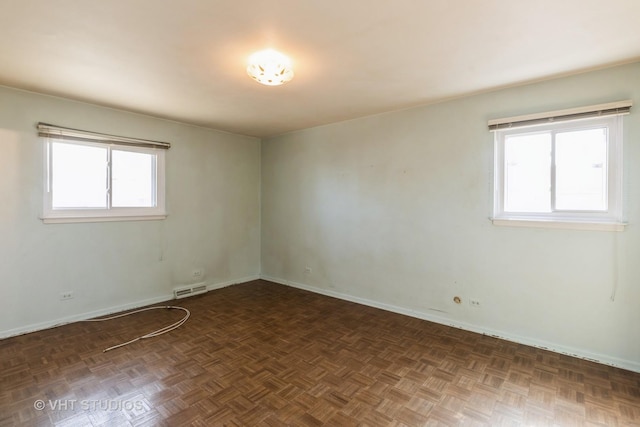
pixel 75 219
pixel 566 225
pixel 82 316
pixel 567 112
pixel 579 353
pixel 220 285
pixel 609 220
pixel 108 213
pixel 110 310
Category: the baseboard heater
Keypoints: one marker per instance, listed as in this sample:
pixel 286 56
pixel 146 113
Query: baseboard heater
pixel 187 291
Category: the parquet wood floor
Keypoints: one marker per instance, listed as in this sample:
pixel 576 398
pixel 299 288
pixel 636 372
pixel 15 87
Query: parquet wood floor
pixel 268 355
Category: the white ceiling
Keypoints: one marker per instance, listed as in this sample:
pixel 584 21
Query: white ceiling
pixel 185 60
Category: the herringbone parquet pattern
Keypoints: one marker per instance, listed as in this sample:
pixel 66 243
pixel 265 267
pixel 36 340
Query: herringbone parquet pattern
pixel 265 354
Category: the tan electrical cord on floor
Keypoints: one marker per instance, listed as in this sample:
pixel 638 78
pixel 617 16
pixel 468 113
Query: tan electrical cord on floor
pixel 150 334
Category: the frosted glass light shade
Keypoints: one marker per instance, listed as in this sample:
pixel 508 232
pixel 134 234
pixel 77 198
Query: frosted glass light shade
pixel 270 67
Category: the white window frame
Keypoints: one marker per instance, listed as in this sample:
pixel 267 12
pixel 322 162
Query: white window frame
pixel 574 119
pixel 52 134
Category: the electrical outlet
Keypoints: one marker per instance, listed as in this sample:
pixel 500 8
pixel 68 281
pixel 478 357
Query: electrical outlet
pixel 474 302
pixel 66 295
pixel 197 273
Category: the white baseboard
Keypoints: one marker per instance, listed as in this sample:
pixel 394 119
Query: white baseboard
pixel 557 348
pixel 220 285
pixel 110 310
pixel 82 316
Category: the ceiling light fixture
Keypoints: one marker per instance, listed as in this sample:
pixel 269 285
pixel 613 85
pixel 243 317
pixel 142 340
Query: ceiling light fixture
pixel 270 67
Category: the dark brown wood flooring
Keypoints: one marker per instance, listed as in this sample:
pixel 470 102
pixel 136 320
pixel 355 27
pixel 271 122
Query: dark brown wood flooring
pixel 265 354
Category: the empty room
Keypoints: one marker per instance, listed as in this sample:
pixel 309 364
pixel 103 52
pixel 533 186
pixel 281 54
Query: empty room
pixel 304 213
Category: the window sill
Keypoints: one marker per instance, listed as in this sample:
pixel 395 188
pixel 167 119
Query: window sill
pixel 75 219
pixel 559 224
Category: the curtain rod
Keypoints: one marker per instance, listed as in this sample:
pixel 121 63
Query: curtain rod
pixel 612 108
pixel 53 131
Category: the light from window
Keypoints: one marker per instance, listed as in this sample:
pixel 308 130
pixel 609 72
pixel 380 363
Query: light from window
pixel 95 177
pixel 133 178
pixel 527 177
pixel 78 176
pixel 560 172
pixel 581 170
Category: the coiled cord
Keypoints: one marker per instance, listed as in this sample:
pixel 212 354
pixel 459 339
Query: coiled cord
pixel 150 334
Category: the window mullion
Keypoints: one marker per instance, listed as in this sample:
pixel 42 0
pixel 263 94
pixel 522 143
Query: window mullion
pixel 109 178
pixel 154 182
pixel 501 174
pixel 553 172
pixel 49 161
pixel 48 195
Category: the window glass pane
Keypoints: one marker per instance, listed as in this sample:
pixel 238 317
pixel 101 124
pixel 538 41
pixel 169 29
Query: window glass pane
pixel 79 176
pixel 133 178
pixel 581 170
pixel 527 173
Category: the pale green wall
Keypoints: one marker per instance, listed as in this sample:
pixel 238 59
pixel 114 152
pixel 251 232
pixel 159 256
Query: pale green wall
pixel 392 210
pixel 213 199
